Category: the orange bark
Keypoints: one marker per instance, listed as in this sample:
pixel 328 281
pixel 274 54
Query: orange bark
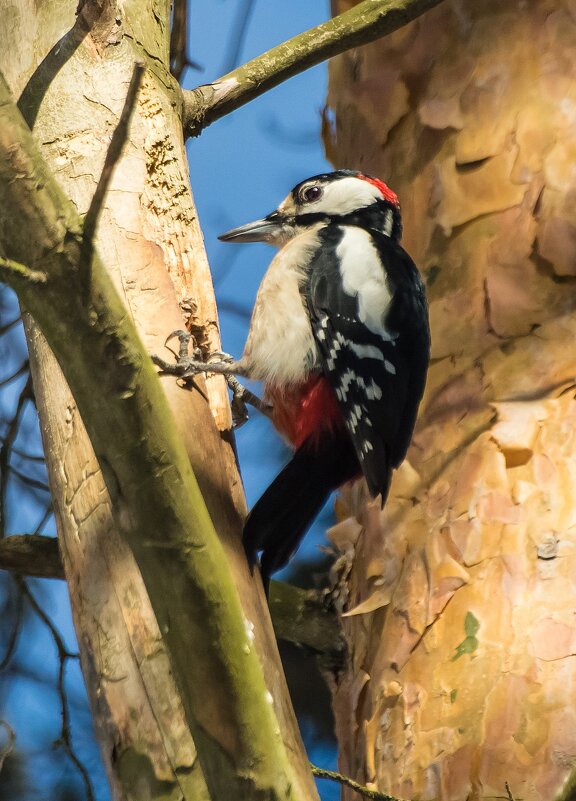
pixel 460 594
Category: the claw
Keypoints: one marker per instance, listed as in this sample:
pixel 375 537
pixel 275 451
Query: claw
pixel 221 356
pixel 184 339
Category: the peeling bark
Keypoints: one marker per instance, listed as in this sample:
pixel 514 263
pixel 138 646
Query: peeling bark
pixel 459 596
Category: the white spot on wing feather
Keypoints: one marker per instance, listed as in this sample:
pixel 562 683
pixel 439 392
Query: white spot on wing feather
pixel 366 351
pixel 371 390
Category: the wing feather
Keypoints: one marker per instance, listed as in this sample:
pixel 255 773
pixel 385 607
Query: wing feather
pixel 377 373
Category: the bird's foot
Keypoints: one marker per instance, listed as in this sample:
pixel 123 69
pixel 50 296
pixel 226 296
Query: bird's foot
pixel 241 396
pixel 186 365
pixel 189 364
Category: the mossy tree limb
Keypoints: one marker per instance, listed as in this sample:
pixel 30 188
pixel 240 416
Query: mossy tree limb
pixel 366 22
pixel 156 501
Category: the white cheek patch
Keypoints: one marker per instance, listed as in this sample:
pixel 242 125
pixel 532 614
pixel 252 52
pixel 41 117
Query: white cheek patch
pixel 363 277
pixel 343 197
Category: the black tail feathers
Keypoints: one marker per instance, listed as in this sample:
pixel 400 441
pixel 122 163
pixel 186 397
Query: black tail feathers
pixel 283 515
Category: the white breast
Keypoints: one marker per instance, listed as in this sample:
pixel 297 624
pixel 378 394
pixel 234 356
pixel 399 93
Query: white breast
pixel 280 348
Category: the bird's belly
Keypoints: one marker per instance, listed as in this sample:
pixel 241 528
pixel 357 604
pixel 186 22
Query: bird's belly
pixel 280 348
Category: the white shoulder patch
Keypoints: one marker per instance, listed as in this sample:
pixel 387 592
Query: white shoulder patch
pixel 363 277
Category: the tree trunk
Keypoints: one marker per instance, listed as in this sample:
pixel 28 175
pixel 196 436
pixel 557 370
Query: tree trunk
pixel 459 596
pixel 72 74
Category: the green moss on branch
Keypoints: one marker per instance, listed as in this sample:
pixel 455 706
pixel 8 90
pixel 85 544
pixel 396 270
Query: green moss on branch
pixel 364 23
pixel 156 501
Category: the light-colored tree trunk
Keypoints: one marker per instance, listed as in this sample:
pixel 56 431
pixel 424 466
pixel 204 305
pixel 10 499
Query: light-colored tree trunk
pixel 460 595
pixel 71 74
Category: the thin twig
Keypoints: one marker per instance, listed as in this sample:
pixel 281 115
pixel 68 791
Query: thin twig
pixel 29 457
pixel 9 745
pixel 35 483
pixel 45 517
pixel 5 447
pixel 64 655
pixel 12 642
pixel 15 274
pixel 240 29
pixel 364 23
pixel 508 792
pixel 20 371
pixel 113 154
pixel 179 59
pixel 5 328
pixel 332 775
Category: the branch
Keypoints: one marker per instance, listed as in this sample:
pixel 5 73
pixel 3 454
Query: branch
pixel 364 23
pixel 375 795
pixel 31 555
pixel 304 618
pixel 15 274
pixel 6 446
pixel 299 616
pixel 179 59
pixel 156 502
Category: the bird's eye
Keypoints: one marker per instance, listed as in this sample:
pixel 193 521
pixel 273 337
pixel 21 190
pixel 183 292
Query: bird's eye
pixel 311 194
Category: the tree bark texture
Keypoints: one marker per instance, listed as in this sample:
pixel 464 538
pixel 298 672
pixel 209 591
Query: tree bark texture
pixel 71 73
pixel 459 596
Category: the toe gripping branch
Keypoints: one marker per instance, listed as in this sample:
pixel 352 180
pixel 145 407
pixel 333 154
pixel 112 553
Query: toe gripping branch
pixel 187 366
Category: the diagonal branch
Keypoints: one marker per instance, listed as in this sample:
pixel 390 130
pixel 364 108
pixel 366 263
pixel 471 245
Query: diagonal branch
pixel 156 500
pixel 364 23
pixel 15 274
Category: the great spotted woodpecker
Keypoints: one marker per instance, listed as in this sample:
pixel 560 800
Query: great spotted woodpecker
pixel 339 337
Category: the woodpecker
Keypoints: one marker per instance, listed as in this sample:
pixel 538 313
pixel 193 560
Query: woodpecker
pixel 339 337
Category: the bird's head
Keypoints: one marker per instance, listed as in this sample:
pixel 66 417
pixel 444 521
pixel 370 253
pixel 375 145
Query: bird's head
pixel 344 196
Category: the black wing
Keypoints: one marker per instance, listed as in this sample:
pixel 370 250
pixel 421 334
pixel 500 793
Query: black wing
pixel 378 378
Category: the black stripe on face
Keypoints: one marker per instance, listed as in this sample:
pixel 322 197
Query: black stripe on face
pixel 374 217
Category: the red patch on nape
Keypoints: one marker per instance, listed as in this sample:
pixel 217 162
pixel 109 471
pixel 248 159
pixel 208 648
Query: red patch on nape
pixel 305 411
pixel 388 194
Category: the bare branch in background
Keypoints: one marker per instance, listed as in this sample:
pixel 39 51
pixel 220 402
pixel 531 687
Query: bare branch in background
pixel 65 739
pixel 239 31
pixel 31 555
pixel 20 371
pixel 5 448
pixel 16 629
pixel 179 59
pixel 364 23
pixel 346 781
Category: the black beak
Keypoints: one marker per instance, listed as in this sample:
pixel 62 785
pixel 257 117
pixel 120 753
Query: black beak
pixel 266 230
